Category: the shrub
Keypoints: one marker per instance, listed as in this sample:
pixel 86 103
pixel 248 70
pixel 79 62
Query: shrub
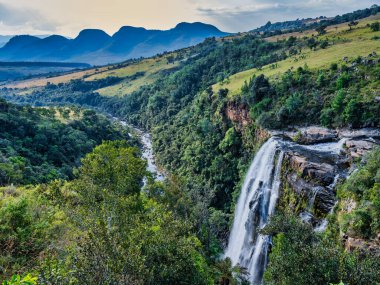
pixel 18 280
pixel 375 27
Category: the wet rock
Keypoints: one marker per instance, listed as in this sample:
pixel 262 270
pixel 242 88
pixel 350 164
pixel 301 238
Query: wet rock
pixel 358 148
pixel 299 185
pixel 359 134
pixel 322 172
pixel 319 198
pixel 325 200
pixel 312 166
pixel 312 135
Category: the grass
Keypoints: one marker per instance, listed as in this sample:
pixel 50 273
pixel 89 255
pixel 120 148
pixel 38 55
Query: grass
pixel 41 82
pixel 150 66
pixel 350 44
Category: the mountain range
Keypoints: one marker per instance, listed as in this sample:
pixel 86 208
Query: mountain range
pixel 4 40
pixel 96 47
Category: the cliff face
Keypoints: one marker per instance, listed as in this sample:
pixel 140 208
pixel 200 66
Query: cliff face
pixel 238 113
pixel 312 169
pixel 316 161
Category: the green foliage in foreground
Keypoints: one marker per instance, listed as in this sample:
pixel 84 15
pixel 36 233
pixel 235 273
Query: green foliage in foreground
pixel 99 228
pixel 18 280
pixel 362 189
pixel 301 256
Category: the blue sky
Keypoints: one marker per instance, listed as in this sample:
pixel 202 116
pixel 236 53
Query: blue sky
pixel 68 17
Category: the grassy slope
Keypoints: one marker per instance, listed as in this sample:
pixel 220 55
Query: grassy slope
pixel 150 66
pixel 351 44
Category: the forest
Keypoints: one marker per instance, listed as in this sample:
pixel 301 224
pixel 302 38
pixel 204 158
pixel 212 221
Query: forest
pixel 74 207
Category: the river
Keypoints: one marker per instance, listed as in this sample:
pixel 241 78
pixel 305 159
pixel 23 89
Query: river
pixel 147 149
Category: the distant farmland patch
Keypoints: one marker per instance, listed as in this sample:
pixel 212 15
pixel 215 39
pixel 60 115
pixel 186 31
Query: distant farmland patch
pixel 24 70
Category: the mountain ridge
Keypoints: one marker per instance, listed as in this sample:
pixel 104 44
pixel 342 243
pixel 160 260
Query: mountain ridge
pixel 94 46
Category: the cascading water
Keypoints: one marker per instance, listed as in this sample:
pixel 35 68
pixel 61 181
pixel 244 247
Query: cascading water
pixel 256 204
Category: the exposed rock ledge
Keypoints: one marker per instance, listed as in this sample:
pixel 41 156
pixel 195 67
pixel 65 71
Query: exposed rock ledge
pixel 316 134
pixel 312 174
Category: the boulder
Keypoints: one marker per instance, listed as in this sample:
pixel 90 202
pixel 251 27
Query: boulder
pixel 325 200
pixel 313 135
pixel 358 148
pixel 239 114
pixel 322 172
pixel 320 198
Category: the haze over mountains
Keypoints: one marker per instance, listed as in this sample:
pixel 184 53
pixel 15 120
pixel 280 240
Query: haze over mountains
pixel 94 46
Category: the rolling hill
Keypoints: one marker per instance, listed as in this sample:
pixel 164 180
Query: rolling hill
pixel 97 47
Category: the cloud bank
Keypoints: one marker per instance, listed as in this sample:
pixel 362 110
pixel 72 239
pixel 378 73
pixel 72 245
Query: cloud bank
pixel 18 20
pixel 70 16
pixel 247 15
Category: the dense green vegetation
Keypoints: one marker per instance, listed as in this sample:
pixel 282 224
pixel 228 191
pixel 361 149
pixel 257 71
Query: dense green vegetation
pixel 205 153
pixel 102 226
pixel 363 190
pixel 336 97
pixel 99 228
pixel 301 256
pixel 35 146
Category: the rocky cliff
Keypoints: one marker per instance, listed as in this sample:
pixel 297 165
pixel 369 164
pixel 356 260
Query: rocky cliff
pixel 313 167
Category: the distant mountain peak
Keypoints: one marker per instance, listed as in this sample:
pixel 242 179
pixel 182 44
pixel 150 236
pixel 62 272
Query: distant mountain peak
pixel 195 25
pixel 130 28
pixel 97 47
pixel 92 32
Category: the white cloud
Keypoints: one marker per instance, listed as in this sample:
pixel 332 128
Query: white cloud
pixel 243 15
pixel 14 20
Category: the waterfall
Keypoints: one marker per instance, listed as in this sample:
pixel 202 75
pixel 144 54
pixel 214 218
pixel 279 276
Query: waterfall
pixel 256 203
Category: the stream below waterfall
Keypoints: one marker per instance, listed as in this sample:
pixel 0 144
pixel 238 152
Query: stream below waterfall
pixel 147 150
pixel 257 202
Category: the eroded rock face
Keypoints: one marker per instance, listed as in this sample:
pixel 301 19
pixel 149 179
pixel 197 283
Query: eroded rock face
pixel 318 158
pixel 321 172
pixel 312 179
pixel 357 244
pixel 309 135
pixel 314 135
pixel 239 114
pixel 358 148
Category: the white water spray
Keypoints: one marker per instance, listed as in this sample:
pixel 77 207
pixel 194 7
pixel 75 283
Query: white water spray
pixel 256 204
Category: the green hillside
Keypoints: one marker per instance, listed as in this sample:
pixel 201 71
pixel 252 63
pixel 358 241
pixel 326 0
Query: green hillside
pixel 208 108
pixel 341 42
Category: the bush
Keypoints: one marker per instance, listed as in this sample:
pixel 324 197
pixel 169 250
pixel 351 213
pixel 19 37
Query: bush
pixel 18 280
pixel 301 256
pixel 375 27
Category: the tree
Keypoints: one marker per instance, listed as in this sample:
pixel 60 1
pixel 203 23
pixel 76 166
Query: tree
pixel 353 24
pixel 301 256
pixel 129 238
pixel 260 89
pixel 114 166
pixel 312 43
pixel 321 30
pixel 375 27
